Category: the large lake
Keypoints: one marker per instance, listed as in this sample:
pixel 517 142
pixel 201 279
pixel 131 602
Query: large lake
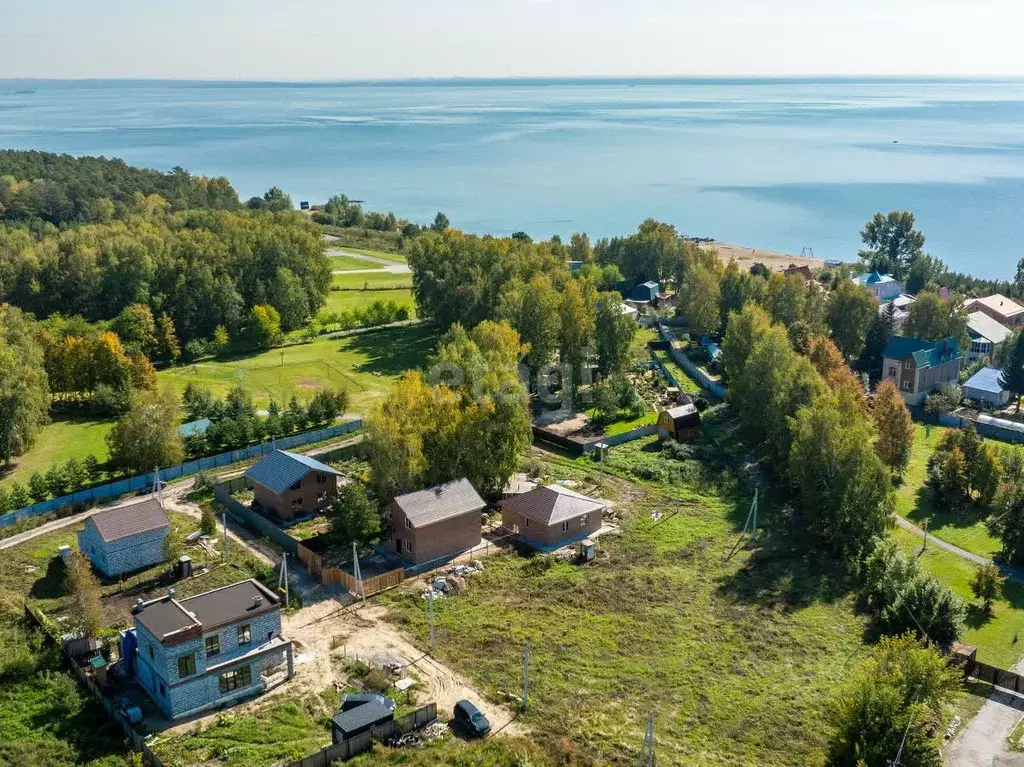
pixel 777 164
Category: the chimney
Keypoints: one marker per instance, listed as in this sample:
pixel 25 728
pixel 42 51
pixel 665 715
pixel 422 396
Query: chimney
pixel 257 602
pixel 138 606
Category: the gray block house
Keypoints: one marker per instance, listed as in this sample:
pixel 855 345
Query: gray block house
pixel 208 650
pixel 125 539
pixel 291 484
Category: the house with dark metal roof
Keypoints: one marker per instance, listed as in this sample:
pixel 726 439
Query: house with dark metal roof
pixel 804 271
pixel 917 367
pixel 552 516
pixel 438 522
pixel 645 292
pixel 680 423
pixel 986 387
pixel 127 538
pixel 291 484
pixel 204 651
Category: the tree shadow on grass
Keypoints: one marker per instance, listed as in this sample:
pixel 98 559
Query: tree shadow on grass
pixel 391 351
pixel 977 616
pixel 54 584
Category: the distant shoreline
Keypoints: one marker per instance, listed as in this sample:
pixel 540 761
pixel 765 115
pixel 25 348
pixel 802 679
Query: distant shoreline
pixel 747 257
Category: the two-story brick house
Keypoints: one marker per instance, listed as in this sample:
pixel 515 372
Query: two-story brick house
pixel 291 484
pixel 918 367
pixel 210 649
pixel 127 538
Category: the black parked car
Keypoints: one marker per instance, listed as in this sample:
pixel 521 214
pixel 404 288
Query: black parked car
pixel 470 720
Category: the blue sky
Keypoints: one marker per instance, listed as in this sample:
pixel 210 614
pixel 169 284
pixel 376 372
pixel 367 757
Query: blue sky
pixel 347 39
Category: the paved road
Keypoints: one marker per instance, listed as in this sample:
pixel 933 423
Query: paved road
pixel 1013 573
pixel 982 743
pixel 380 264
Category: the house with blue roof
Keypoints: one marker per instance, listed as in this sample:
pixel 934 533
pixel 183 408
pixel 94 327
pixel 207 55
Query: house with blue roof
pixel 291 484
pixel 986 387
pixel 884 287
pixel 194 428
pixel 645 293
pixel 918 367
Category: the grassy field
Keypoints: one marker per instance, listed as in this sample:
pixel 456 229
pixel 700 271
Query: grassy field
pixel 686 383
pixel 372 280
pixel 1000 635
pixel 737 657
pixel 342 261
pixel 347 300
pixel 963 529
pixel 364 364
pixel 397 258
pixel 57 442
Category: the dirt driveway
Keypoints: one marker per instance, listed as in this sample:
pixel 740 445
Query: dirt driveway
pixel 328 633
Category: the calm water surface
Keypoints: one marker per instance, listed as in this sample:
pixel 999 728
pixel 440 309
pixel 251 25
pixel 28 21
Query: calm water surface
pixel 779 164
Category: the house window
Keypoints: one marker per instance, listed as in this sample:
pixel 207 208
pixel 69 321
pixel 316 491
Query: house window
pixel 187 665
pixel 244 637
pixel 321 479
pixel 584 520
pixel 892 371
pixel 232 680
pixel 163 689
pixel 908 386
pixel 565 527
pixel 408 545
pixel 408 524
pixel 526 520
pixel 150 648
pixel 296 486
pixel 213 645
pixel 296 502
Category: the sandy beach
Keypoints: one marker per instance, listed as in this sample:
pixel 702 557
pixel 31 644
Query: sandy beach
pixel 747 257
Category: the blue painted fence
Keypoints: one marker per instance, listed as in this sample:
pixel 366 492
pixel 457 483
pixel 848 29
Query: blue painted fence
pixel 137 483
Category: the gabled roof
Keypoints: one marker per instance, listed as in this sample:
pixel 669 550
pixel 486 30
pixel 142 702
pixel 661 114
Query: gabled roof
pixel 625 308
pixel 684 415
pixel 130 519
pixel 441 502
pixel 986 380
pixel 362 716
pixel 195 427
pixel 804 271
pixel 874 278
pixel 998 303
pixel 925 353
pixel 553 504
pixel 282 469
pixel 980 324
pixel 902 301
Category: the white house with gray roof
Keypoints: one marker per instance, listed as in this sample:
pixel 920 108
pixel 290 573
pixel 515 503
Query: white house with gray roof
pixel 441 521
pixel 204 651
pixel 986 336
pixel 127 538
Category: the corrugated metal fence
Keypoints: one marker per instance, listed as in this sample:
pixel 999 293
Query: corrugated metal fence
pixel 362 743
pixel 137 483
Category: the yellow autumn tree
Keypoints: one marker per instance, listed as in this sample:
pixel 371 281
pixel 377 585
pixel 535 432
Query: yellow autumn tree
pixel 895 427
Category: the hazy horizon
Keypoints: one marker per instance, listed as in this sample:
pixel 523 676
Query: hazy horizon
pixel 322 40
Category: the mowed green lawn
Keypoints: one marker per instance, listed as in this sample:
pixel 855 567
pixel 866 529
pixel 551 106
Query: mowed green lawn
pixel 1000 635
pixel 365 365
pixel 347 300
pixel 913 501
pixel 736 657
pixel 57 442
pixel 397 258
pixel 373 280
pixel 342 261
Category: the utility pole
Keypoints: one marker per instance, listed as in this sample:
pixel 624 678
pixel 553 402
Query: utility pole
pixel 754 530
pixel 646 758
pixel 430 611
pixel 526 675
pixel 283 578
pixel 358 573
pixel 224 522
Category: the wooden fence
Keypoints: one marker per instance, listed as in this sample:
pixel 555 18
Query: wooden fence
pixel 1008 680
pixel 335 576
pixel 362 743
pixel 148 757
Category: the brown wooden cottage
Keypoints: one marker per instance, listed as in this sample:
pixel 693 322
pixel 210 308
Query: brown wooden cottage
pixel 681 423
pixel 551 516
pixel 438 522
pixel 292 485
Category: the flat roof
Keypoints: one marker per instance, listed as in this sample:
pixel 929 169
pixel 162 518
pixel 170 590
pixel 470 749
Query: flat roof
pixel 228 604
